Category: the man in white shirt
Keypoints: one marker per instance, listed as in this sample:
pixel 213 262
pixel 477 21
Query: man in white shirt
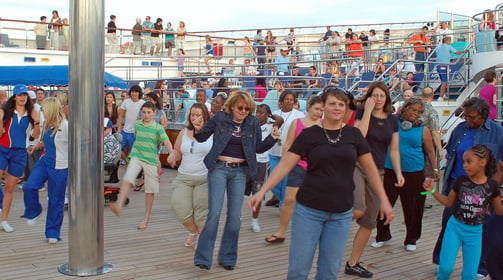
pixel 129 113
pixel 442 31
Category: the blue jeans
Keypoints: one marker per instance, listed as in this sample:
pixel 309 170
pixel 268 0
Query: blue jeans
pixel 280 189
pixel 220 180
pixel 457 233
pixel 56 188
pixel 311 227
pixel 420 56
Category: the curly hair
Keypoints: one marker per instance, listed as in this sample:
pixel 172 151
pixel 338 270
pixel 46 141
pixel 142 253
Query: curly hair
pixel 478 105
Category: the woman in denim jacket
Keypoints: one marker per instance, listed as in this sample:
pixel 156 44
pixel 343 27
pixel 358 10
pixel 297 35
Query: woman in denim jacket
pixel 236 140
pixel 477 128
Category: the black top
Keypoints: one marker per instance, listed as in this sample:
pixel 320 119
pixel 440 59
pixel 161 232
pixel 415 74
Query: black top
pixel 156 27
pixel 137 29
pixel 379 135
pixel 473 199
pixel 111 27
pixel 328 184
pixel 260 50
pixel 234 148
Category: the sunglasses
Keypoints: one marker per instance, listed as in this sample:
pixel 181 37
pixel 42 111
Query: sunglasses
pixel 472 118
pixel 241 108
pixel 192 147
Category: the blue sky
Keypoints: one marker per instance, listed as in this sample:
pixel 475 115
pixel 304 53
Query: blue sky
pixel 207 15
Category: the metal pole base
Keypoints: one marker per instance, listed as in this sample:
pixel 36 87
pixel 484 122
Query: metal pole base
pixel 65 269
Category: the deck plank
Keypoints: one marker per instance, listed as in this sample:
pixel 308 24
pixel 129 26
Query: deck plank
pixel 158 252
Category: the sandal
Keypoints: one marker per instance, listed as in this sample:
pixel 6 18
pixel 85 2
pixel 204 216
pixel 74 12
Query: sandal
pixel 191 239
pixel 274 239
pixel 138 188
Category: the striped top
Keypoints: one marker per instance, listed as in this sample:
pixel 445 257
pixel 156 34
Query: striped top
pixel 148 138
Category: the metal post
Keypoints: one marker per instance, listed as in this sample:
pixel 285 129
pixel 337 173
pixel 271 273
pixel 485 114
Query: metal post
pixel 85 227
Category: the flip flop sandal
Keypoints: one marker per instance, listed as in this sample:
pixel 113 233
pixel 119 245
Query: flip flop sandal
pixel 274 239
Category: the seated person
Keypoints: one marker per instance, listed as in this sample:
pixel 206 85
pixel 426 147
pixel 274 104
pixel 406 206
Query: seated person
pixel 111 151
pixel 297 82
pixel 181 95
pixel 248 69
pixel 379 68
pixel 408 66
pixel 393 80
pixel 408 82
pixel 312 84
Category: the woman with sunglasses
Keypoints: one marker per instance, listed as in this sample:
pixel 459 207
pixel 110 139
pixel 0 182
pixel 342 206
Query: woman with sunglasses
pixel 236 140
pixel 190 189
pixel 380 128
pixel 323 210
pixel 477 128
pixel 415 147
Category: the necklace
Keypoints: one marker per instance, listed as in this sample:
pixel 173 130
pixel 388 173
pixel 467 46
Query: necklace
pixel 333 141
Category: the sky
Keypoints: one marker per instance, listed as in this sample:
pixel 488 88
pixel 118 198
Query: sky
pixel 207 15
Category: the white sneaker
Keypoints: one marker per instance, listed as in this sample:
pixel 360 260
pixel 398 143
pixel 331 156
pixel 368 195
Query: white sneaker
pixel 33 221
pixel 377 244
pixel 440 98
pixel 255 225
pixel 52 240
pixel 410 247
pixel 6 227
pixel 481 276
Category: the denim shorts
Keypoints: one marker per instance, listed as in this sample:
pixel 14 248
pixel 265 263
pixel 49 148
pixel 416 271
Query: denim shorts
pixel 442 72
pixel 296 177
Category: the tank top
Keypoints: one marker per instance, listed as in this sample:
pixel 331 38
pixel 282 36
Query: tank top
pixel 193 154
pixel 299 126
pixel 412 157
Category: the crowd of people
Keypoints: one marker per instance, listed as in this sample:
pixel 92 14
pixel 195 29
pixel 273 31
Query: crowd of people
pixel 228 150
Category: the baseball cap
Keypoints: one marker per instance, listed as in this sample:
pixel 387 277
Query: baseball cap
pixel 19 89
pixel 283 50
pixel 32 94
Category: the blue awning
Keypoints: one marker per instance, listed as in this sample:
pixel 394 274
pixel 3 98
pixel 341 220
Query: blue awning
pixel 53 75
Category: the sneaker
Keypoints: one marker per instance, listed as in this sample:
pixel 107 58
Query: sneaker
pixel 410 247
pixel 6 227
pixel 32 221
pixel 378 244
pixel 52 240
pixel 255 226
pixel 357 270
pixel 481 276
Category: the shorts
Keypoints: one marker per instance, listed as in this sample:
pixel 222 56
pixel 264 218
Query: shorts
pixel 127 140
pixel 253 186
pixel 180 68
pixel 151 174
pixel 366 199
pixel 169 43
pixel 296 177
pixel 442 72
pixel 14 159
pixel 155 41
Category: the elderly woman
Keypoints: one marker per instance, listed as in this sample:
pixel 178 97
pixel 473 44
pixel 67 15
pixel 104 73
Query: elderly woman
pixel 414 143
pixel 237 138
pixel 323 211
pixel 477 128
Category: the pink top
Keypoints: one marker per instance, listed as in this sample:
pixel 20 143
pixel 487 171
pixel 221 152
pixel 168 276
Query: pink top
pixel 298 129
pixel 260 93
pixel 487 92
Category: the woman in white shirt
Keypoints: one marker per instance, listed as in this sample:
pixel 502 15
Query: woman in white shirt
pixel 190 193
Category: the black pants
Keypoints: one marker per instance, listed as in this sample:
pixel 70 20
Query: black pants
pixel 412 204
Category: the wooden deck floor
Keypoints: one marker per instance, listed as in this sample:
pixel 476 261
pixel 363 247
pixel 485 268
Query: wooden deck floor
pixel 158 252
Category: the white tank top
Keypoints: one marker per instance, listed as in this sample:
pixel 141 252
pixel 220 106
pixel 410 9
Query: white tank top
pixel 193 154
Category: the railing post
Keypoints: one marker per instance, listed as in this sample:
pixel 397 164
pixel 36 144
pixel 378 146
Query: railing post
pixel 85 212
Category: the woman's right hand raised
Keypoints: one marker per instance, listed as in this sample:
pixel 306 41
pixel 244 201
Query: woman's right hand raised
pixel 370 104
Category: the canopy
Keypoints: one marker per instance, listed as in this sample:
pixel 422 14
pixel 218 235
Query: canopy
pixel 52 75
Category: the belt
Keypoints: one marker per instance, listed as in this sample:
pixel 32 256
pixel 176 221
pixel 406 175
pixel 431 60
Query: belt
pixel 232 164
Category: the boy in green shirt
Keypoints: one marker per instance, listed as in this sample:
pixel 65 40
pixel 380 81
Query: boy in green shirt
pixel 149 135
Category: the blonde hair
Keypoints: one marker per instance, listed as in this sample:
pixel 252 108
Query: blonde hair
pixel 61 96
pixel 53 114
pixel 235 97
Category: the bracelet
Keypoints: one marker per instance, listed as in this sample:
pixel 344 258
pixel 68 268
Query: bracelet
pixel 37 123
pixel 435 169
pixel 425 193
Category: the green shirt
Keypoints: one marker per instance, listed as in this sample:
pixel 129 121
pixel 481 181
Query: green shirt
pixel 146 144
pixel 169 36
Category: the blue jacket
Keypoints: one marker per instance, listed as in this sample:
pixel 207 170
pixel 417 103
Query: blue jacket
pixel 489 134
pixel 221 127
